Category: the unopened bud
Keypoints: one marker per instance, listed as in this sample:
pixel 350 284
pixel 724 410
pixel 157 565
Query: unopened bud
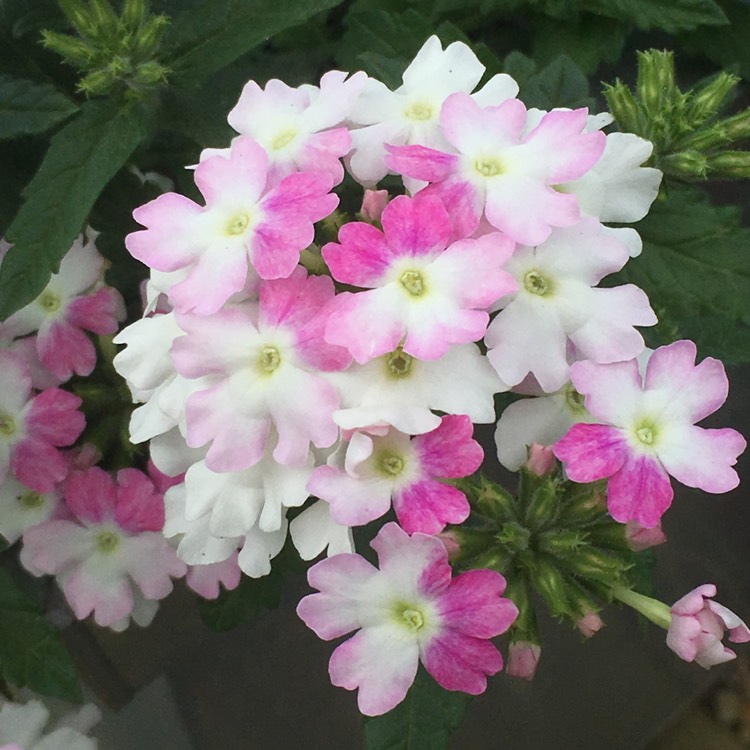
pixel 709 99
pixel 133 13
pixel 543 506
pixel 737 128
pixel 689 163
pixel 707 138
pixel 451 544
pixel 74 51
pixel 640 538
pixel 609 535
pixel 597 566
pixel 656 84
pixel 149 36
pixel 150 73
pixel 466 542
pixel 373 203
pixel 514 537
pixel 523 659
pixel 550 583
pixel 541 460
pixel 733 164
pixel 495 501
pixel 624 107
pixel 492 559
pixel 590 624
pixel 560 543
pixel 78 15
pixel 104 19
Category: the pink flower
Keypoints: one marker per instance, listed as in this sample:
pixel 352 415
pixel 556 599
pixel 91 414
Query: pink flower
pixel 246 222
pixel 111 559
pixel 408 472
pixel 590 624
pixel 72 303
pixel 640 538
pixel 262 363
pixel 541 460
pixel 206 580
pixel 501 172
pixel 647 431
pixel 422 290
pixel 32 428
pixel 698 625
pixel 409 611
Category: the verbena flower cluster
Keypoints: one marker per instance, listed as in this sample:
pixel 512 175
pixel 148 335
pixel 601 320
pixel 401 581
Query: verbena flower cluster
pixel 277 361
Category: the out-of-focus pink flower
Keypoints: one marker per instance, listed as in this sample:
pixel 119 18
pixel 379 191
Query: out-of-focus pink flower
pixel 523 658
pixel 373 203
pixel 410 610
pixel 541 460
pixel 698 625
pixel 640 538
pixel 590 624
pixel 206 580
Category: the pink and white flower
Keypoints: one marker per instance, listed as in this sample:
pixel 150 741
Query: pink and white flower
pixel 425 294
pixel 263 363
pixel 410 114
pixel 33 428
pixel 557 304
pixel 24 727
pixel 300 129
pixel 21 508
pixel 409 611
pixel 111 558
pixel 73 302
pixel 381 469
pixel 496 170
pixel 647 431
pixel 247 223
pixel 698 625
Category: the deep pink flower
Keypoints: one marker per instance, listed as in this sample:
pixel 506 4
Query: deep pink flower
pixel 246 222
pixel 32 428
pixel 698 625
pixel 648 431
pixel 501 172
pixel 410 610
pixel 392 467
pixel 111 558
pixel 423 290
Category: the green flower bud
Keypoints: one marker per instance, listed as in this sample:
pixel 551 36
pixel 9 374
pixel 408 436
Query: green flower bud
pixel 104 19
pixel 525 625
pixel 737 128
pixel 77 12
pixel 550 582
pixel 514 537
pixel 496 558
pixel 74 51
pixel 149 36
pixel 561 543
pixel 597 565
pixel 149 74
pixel 609 535
pixel 656 84
pixel 133 13
pixel 623 107
pixel 543 507
pixel 732 164
pixel 709 99
pixel 686 163
pixel 707 138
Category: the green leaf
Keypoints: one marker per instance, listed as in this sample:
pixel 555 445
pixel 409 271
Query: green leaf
pixel 27 107
pixel 31 652
pixel 81 160
pixel 694 268
pixel 249 22
pixel 561 84
pixel 424 720
pixel 668 15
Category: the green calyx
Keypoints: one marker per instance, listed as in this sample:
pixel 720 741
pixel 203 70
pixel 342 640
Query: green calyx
pixel 691 139
pixel 111 51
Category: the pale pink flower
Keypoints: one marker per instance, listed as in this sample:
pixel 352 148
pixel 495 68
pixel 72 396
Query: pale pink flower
pixel 246 224
pixel 523 659
pixel 33 428
pixel 557 303
pixel 425 293
pixel 373 204
pixel 410 114
pixel 21 507
pixel 263 365
pixel 409 611
pixel 300 129
pixel 72 303
pixel 647 431
pixel 639 537
pixel 497 171
pixel 111 557
pixel 698 625
pixel 590 624
pixel 541 461
pixel 407 472
pixel 207 580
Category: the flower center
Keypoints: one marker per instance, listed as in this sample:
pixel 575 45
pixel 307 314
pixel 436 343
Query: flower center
pixel 269 359
pixel 49 301
pixel 238 223
pixel 283 139
pixel 646 434
pixel 399 363
pixel 535 283
pixel 413 282
pixel 413 618
pixel 107 541
pixel 489 167
pixel 7 425
pixel 419 111
pixel 575 400
pixel 390 464
pixel 30 500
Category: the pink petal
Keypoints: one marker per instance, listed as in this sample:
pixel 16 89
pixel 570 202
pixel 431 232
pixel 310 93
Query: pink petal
pixel 98 312
pixel 612 390
pixel 460 662
pixel 139 506
pixel 466 203
pixel 449 450
pixel 65 350
pixel 420 162
pixel 592 451
pixel 54 417
pixel 363 256
pixel 640 491
pixel 91 495
pixel 242 174
pixel 37 464
pixel 427 506
pixel 416 226
pixel 380 664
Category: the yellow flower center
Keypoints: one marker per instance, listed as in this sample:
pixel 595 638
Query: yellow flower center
pixel 7 425
pixel 535 283
pixel 575 400
pixel 283 139
pixel 413 618
pixel 30 500
pixel 419 111
pixel 646 434
pixel 489 167
pixel 269 360
pixel 413 282
pixel 390 464
pixel 238 224
pixel 49 301
pixel 107 541
pixel 399 363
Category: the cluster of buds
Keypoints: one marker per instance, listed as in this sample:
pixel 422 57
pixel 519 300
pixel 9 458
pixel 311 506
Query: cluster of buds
pixel 691 139
pixel 288 352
